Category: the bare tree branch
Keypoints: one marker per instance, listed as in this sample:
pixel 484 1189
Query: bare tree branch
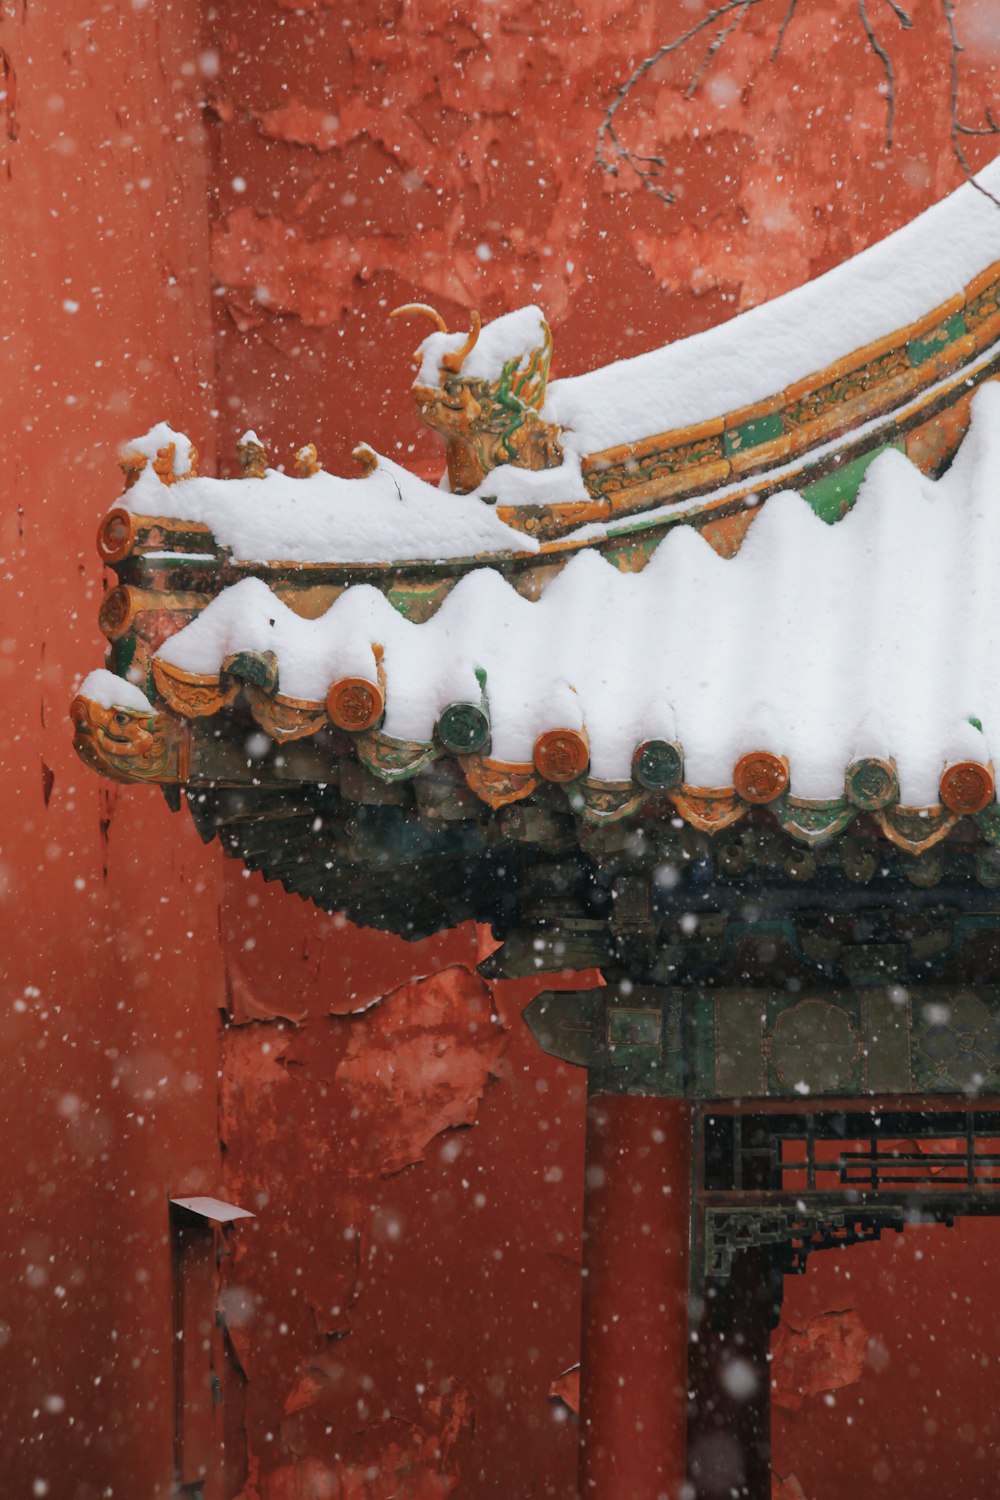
pixel 890 74
pixel 789 15
pixel 902 16
pixel 607 132
pixel 613 153
pixel 957 128
pixel 715 46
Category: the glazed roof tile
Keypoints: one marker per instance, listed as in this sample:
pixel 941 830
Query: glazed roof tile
pixel 877 637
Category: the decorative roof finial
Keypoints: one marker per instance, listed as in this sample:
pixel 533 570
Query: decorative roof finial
pixel 451 362
pixel 307 462
pixel 252 456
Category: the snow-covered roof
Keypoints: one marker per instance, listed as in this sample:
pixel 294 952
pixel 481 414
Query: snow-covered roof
pixel 787 385
pixel 826 670
pixel 389 513
pixel 876 637
pixel 760 352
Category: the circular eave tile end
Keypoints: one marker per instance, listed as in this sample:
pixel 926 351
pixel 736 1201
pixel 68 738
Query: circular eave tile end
pixel 561 754
pixel 968 787
pixel 658 765
pixel 118 611
pixel 116 535
pixel 355 704
pixel 464 729
pixel 760 777
pixel 871 784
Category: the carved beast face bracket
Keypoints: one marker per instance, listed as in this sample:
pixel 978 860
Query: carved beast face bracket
pixel 486 423
pixel 128 745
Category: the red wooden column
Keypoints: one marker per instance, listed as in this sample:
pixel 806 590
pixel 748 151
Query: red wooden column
pixel 634 1355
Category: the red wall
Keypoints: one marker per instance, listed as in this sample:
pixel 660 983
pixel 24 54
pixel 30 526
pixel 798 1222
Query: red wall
pixel 885 1367
pixel 408 1292
pixel 111 973
pixel 367 156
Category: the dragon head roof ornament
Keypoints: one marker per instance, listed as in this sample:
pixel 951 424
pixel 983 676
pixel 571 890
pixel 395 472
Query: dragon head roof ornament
pixel 485 419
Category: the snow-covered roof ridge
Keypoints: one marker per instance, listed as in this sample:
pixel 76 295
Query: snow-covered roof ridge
pixel 759 353
pixel 111 691
pixel 876 637
pixel 386 514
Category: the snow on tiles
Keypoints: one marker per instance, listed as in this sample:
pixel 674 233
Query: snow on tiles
pixel 387 514
pixel 109 691
pixel 758 354
pixel 877 636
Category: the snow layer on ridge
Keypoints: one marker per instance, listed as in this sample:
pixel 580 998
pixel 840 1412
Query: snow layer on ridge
pixel 158 438
pixel 756 354
pixel 388 515
pixel 877 636
pixel 113 692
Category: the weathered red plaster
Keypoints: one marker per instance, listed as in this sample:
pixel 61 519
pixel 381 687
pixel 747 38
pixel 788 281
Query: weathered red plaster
pixel 566 1388
pixel 787 1487
pixel 420 154
pixel 401 1329
pixel 110 975
pixel 399 1459
pixel 419 1062
pixel 391 1048
pixel 828 1353
pixel 921 1419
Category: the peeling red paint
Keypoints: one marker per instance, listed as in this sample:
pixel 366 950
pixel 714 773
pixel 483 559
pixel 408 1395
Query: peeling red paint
pixel 420 1062
pixel 245 1003
pixel 566 1388
pixel 460 169
pixel 409 1068
pixel 297 959
pixel 395 1459
pixel 787 1487
pixel 341 1302
pixel 825 1355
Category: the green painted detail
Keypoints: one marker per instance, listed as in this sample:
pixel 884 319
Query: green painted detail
pixel 988 822
pixel 417 600
pixel 257 669
pixel 180 562
pixel 123 655
pixel 122 661
pixel 871 784
pixel 832 496
pixel 752 434
pixel 603 802
pixel 752 1042
pixel 921 350
pixel 813 822
pixel 658 765
pixel 463 729
pixel 632 556
pixel 976 724
pixel 390 759
pixel 633 1026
